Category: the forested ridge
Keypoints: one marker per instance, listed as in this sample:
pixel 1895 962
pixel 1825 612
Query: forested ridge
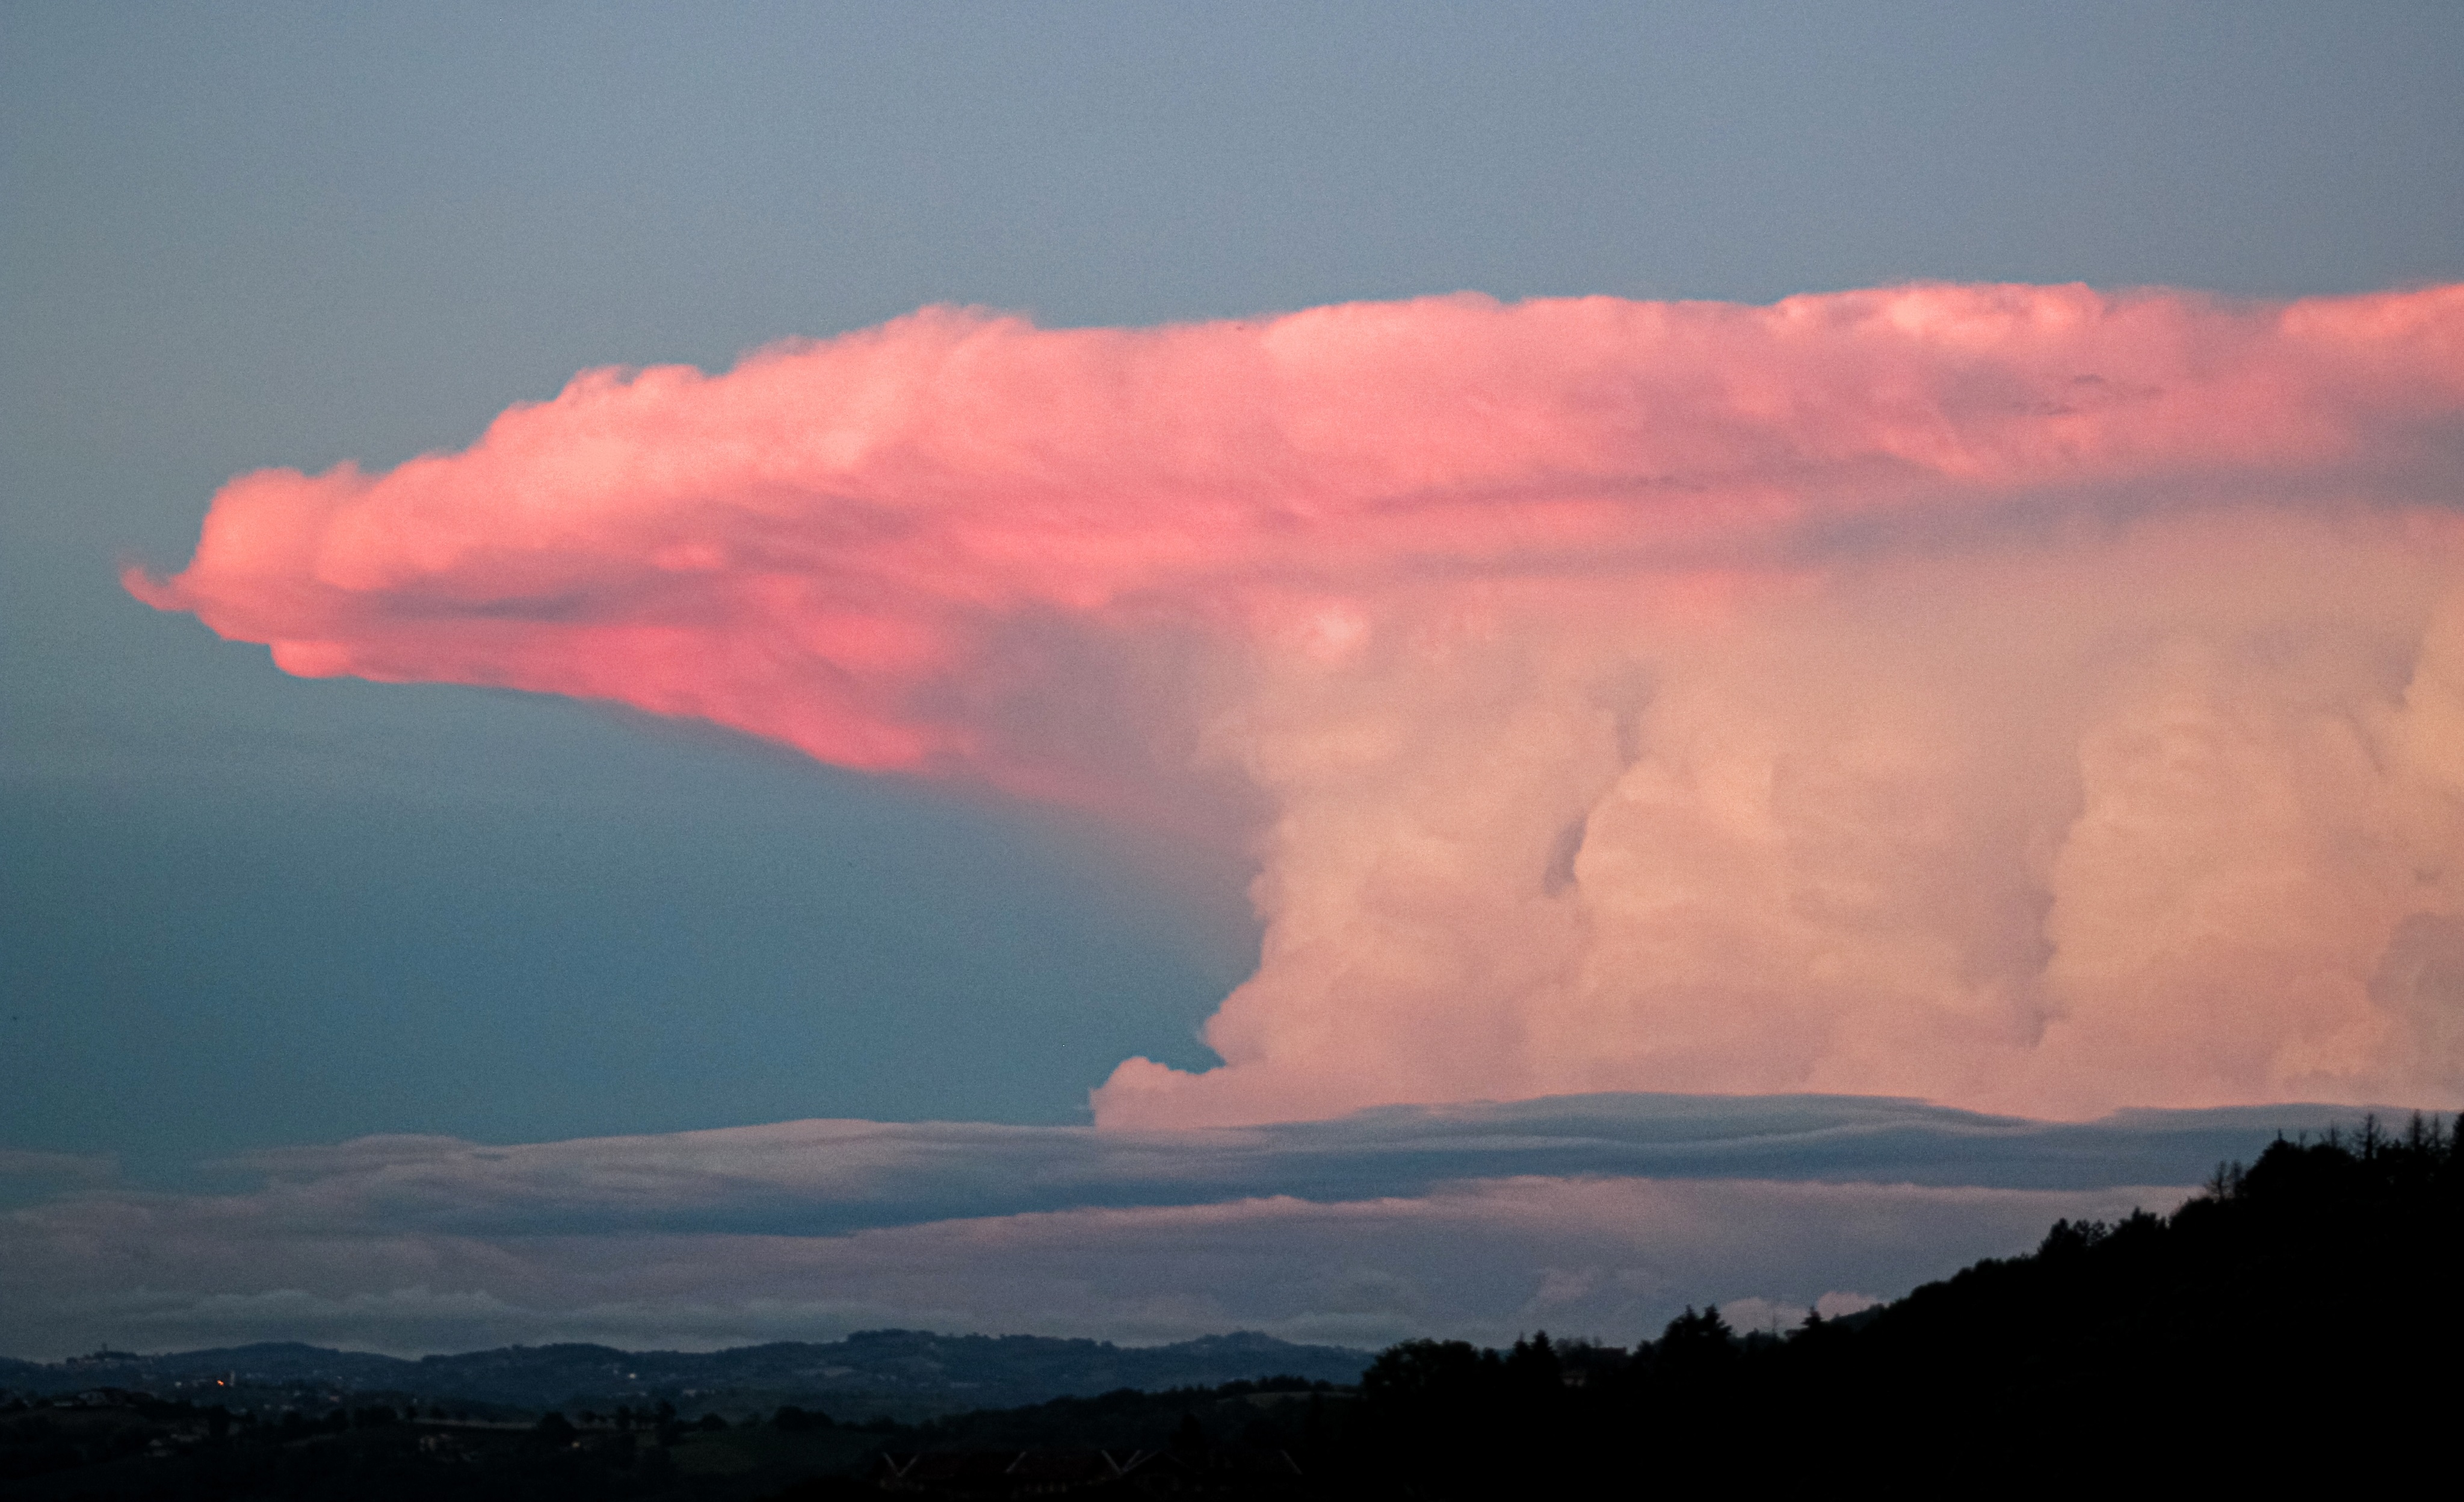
pixel 2297 1317
pixel 2301 1311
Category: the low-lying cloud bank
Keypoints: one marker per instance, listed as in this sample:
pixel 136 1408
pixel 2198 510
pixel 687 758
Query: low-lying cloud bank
pixel 2029 698
pixel 1602 1215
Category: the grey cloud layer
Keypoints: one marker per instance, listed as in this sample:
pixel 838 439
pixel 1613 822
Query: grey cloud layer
pixel 1602 1213
pixel 1609 1256
pixel 831 1177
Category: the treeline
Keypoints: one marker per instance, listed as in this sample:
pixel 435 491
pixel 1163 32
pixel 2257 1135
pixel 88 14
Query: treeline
pixel 2302 1311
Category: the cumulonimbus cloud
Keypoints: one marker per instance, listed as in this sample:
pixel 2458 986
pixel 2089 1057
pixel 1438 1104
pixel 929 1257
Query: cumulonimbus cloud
pixel 2026 697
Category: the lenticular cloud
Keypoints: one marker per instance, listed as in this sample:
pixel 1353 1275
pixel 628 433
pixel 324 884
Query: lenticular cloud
pixel 2027 698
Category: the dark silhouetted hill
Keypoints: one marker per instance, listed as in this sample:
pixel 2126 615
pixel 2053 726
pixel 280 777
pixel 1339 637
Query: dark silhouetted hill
pixel 2299 1320
pixel 906 1373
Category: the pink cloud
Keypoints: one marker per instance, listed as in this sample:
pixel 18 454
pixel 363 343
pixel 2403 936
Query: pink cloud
pixel 2025 697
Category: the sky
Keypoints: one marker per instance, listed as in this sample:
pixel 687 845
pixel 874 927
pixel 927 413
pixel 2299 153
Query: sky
pixel 1254 649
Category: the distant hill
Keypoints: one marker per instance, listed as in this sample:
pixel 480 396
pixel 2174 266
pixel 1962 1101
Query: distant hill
pixel 902 1372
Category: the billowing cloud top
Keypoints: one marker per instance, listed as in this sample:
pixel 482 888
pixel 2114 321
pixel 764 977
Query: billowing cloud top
pixel 2022 697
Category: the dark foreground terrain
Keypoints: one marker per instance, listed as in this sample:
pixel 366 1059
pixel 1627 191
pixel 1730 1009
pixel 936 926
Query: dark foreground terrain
pixel 2296 1324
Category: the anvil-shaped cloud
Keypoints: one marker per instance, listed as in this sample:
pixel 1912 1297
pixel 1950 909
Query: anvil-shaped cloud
pixel 2027 698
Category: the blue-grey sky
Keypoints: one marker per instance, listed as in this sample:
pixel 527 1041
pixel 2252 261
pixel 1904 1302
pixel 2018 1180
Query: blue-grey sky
pixel 241 909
